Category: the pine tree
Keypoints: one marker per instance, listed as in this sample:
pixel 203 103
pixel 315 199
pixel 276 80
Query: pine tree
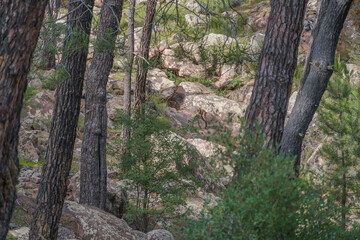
pixel 339 119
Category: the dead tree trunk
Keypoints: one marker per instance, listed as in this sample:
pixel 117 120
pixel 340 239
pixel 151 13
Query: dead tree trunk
pixel 20 23
pixel 128 71
pixel 317 72
pixel 57 164
pixel 142 64
pixel 277 63
pixel 93 152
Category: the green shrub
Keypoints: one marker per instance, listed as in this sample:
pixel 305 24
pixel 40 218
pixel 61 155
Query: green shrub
pixel 339 119
pixel 266 201
pixel 154 165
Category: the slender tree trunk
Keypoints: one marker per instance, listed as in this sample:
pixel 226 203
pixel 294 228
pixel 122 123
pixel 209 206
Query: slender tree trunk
pixel 20 23
pixel 344 192
pixel 142 64
pixel 128 71
pixel 93 152
pixel 316 75
pixel 57 164
pixel 277 63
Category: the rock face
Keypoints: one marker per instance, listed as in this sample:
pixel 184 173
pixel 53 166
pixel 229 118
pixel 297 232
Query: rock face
pixel 158 82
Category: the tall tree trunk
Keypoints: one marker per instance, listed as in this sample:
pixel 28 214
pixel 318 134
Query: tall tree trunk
pixel 57 164
pixel 49 41
pixel 142 64
pixel 316 75
pixel 93 152
pixel 128 71
pixel 20 23
pixel 277 63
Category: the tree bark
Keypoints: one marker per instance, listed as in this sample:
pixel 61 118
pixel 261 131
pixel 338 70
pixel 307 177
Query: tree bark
pixel 316 74
pixel 93 152
pixel 128 70
pixel 142 64
pixel 277 63
pixel 57 164
pixel 20 23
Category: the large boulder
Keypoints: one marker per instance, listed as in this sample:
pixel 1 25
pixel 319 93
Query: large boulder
pixel 91 223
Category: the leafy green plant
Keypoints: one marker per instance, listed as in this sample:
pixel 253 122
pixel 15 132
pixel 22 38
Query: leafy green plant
pixel 340 120
pixel 154 165
pixel 265 200
pixel 29 93
pixel 55 78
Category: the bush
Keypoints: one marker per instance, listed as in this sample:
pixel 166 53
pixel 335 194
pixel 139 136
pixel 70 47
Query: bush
pixel 154 165
pixel 267 201
pixel 339 120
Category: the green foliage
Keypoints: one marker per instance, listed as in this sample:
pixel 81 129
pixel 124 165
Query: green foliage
pixel 154 165
pixel 50 32
pixel 29 93
pixel 340 120
pixel 297 76
pixel 55 78
pixel 266 201
pixel 9 237
pixel 24 162
pixel 220 6
pixel 105 40
pixel 77 41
